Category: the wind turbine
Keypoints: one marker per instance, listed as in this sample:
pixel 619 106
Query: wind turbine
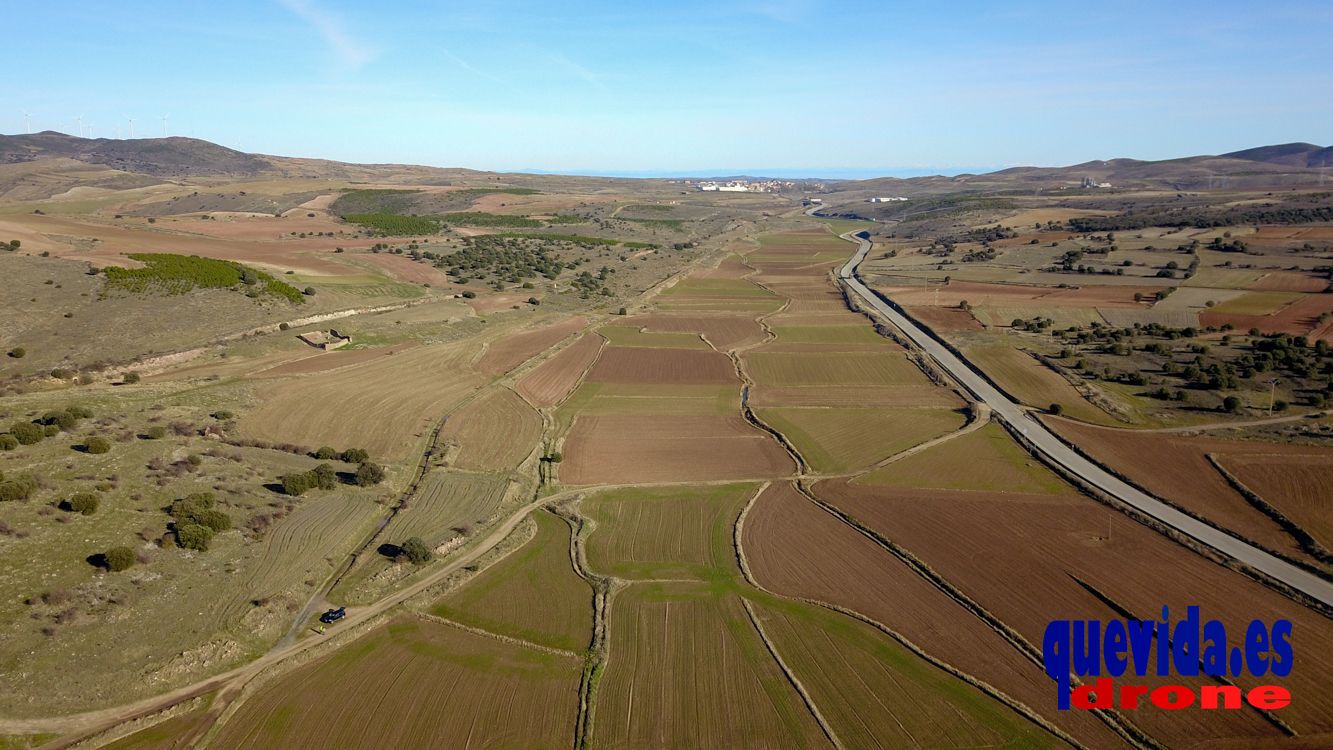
pixel 79 121
pixel 131 119
pixel 27 121
pixel 164 124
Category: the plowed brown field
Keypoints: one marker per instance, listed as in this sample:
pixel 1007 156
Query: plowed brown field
pixel 1021 557
pixel 620 364
pixel 797 549
pixel 515 349
pixel 550 382
pixel 723 331
pixel 616 450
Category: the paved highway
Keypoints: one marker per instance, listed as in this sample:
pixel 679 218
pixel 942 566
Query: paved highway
pixel 1055 450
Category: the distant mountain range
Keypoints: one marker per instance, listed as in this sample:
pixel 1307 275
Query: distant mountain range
pixel 1278 165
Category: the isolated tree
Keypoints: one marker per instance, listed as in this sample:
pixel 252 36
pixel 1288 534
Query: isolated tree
pixel 61 419
pixel 326 453
pixel 324 477
pixel 1055 409
pixel 416 551
pixel 130 378
pixel 18 352
pixel 308 291
pixel 83 502
pixel 368 474
pixel 1231 404
pixel 119 558
pixel 97 444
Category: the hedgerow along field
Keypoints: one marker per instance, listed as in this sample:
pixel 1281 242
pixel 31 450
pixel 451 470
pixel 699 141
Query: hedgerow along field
pixel 165 273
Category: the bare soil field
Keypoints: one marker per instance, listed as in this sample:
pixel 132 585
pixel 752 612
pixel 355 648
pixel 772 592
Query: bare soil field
pixel 944 319
pixel 687 669
pixel 986 459
pixel 1176 468
pixel 108 244
pixel 1300 318
pixel 550 382
pixel 796 549
pixel 726 332
pixel 1290 281
pixel 533 593
pixel 1051 545
pixel 406 269
pixel 731 267
pixel 619 364
pixel 665 532
pixel 514 349
pixel 384 405
pixel 875 694
pixel 849 438
pixel 647 400
pixel 495 432
pixel 812 369
pixel 1300 485
pixel 416 684
pixel 616 450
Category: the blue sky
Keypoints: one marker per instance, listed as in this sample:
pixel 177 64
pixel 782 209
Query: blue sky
pixel 827 88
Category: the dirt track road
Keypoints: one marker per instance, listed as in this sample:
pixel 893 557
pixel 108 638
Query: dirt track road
pixel 1044 441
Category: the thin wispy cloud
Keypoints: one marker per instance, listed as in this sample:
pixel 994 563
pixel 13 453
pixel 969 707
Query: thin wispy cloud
pixel 350 51
pixel 578 70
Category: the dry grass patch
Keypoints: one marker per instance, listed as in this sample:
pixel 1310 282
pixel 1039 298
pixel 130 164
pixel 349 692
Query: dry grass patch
pixel 1032 383
pixel 493 433
pixel 1299 485
pixel 383 405
pixel 923 396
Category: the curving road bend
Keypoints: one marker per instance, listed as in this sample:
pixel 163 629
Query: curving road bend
pixel 1052 448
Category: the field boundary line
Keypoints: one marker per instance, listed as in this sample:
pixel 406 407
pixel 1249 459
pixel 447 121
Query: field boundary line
pixel 980 417
pixel 1305 539
pixel 791 676
pixel 497 636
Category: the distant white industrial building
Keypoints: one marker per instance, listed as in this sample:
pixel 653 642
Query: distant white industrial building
pixel 886 200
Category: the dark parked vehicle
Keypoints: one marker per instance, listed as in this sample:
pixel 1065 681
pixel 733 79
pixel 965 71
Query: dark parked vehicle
pixel 333 615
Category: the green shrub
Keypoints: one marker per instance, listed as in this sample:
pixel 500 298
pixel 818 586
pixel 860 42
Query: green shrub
pixel 120 558
pixel 355 455
pixel 8 442
pixel 193 536
pixel 27 433
pixel 395 224
pixel 18 352
pixel 19 488
pixel 416 551
pixel 296 484
pixel 97 444
pixel 167 273
pixel 326 453
pixel 324 477
pixel 155 432
pixel 84 502
pixel 50 430
pixel 61 420
pixel 223 415
pixel 130 378
pixel 368 474
pixel 212 519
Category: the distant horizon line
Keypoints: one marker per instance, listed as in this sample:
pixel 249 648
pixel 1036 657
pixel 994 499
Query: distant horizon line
pixel 777 173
